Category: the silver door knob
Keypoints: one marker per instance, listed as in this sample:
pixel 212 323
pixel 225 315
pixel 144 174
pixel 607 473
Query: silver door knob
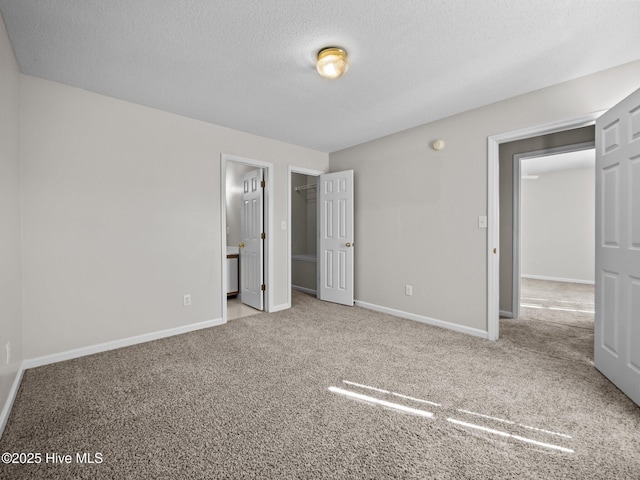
pixel 349 244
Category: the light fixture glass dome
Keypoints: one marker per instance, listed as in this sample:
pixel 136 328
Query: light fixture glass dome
pixel 332 62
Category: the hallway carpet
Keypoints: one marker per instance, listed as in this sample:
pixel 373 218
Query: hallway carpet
pixel 556 319
pixel 559 302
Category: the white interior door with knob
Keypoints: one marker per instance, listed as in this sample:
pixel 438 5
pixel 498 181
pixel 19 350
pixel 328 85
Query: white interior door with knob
pixel 336 242
pixel 617 321
pixel 252 246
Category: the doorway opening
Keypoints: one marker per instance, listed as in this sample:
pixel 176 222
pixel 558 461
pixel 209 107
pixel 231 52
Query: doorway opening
pixel 330 210
pixel 554 236
pixel 553 225
pixel 495 247
pixel 303 231
pixel 246 214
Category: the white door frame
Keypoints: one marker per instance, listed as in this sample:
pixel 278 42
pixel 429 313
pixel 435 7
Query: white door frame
pixel 517 210
pixel 493 207
pixel 302 171
pixel 268 219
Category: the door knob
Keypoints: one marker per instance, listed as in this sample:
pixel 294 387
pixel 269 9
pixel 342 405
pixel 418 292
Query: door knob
pixel 349 244
pixel 241 245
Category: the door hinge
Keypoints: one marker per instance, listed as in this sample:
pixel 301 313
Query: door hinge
pixel 263 184
pixel 263 287
pixel 263 235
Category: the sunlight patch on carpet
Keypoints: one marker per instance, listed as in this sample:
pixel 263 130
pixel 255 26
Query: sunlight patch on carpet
pixel 399 395
pixel 487 416
pixel 541 430
pixel 384 403
pixel 424 413
pixel 509 435
pixel 561 309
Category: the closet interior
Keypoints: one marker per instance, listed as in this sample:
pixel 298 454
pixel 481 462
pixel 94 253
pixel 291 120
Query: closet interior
pixel 304 232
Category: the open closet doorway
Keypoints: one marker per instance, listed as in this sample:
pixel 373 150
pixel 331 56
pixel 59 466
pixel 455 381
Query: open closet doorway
pixel 246 214
pixel 554 235
pixel 303 222
pixel 334 232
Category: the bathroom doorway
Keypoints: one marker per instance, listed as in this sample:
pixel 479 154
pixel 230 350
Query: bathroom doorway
pixel 245 237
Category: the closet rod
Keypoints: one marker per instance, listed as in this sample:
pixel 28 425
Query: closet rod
pixel 305 187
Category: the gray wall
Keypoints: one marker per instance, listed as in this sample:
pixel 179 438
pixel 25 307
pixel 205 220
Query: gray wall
pixel 121 216
pixel 507 151
pixel 416 210
pixel 10 231
pixel 558 225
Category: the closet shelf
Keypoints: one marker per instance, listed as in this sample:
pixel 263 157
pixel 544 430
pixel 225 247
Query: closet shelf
pixel 305 257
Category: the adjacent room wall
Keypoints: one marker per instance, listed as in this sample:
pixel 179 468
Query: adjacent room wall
pixel 416 209
pixel 235 172
pixel 312 216
pixel 303 215
pixel 558 225
pixel 298 215
pixel 10 230
pixel 122 216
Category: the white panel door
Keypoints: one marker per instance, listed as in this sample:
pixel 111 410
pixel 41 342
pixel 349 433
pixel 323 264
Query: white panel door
pixel 335 248
pixel 252 246
pixel 617 321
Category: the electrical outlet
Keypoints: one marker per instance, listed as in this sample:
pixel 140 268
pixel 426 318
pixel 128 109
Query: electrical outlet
pixel 408 290
pixel 187 300
pixel 8 351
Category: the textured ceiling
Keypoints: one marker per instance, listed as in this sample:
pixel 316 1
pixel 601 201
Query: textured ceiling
pixel 249 64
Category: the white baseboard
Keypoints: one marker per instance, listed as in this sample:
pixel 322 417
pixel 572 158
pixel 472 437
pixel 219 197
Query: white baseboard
pixel 124 342
pixel 90 350
pixel 8 404
pixel 305 289
pixel 558 279
pixel 506 314
pixel 419 318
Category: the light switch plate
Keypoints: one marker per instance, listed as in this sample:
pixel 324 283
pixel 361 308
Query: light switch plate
pixel 482 221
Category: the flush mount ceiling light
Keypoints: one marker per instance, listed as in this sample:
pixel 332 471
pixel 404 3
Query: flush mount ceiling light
pixel 332 62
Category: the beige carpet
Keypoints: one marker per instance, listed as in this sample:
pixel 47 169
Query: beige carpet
pixel 251 399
